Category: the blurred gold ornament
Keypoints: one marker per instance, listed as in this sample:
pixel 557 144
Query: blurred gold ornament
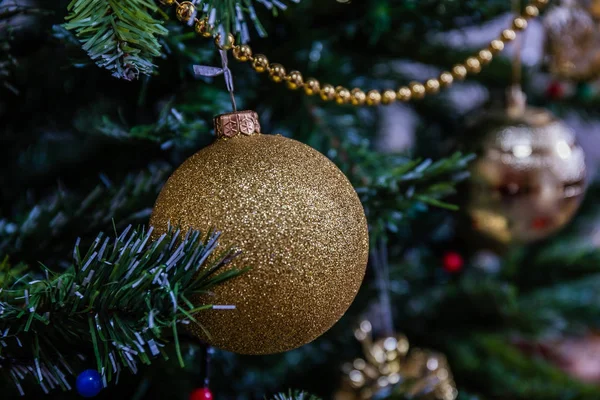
pixel 295 217
pixel 573 42
pixel 388 368
pixel 529 177
pixel 594 8
pixel 591 6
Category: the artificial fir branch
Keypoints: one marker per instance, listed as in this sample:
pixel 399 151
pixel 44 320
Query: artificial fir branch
pixel 393 188
pixel 509 373
pixel 12 10
pixel 230 15
pixel 65 211
pixel 121 300
pixel 8 64
pixel 119 35
pixel 295 395
pixel 567 306
pixel 9 273
pixel 122 36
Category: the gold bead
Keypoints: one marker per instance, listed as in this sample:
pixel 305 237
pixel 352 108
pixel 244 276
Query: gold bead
pixel 388 97
pixel 404 94
pixel 312 86
pixel 328 92
pixel 277 72
pixel 496 46
pixel 485 56
pixel 432 86
pixel 185 11
pixel 459 72
pixel 358 97
pixel 519 24
pixel 260 63
pixel 342 95
pixel 417 89
pixel 242 53
pixel 374 98
pixel 473 65
pixel 508 35
pixel 446 79
pixel 202 28
pixel 228 44
pixel 167 2
pixel 295 80
pixel 531 11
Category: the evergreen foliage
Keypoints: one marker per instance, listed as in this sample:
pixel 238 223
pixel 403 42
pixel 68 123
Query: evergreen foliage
pixel 121 301
pixel 84 152
pixel 121 36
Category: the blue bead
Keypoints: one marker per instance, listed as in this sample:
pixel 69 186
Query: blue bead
pixel 89 383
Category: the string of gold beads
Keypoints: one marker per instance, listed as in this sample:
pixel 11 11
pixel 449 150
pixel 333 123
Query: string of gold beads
pixel 357 97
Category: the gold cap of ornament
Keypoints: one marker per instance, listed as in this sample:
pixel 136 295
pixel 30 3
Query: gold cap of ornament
pixel 239 122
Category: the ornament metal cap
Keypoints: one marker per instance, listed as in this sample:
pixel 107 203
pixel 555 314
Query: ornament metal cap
pixel 239 122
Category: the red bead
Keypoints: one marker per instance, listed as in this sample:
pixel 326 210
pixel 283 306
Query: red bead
pixel 453 262
pixel 201 394
pixel 555 90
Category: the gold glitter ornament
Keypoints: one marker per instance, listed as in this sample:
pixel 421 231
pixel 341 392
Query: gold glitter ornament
pixel 295 217
pixel 529 178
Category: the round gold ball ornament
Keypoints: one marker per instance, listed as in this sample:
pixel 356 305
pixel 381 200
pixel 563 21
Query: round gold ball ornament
pixel 573 42
pixel 295 217
pixel 529 178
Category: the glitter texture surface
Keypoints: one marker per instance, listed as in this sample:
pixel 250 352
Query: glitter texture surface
pixel 299 224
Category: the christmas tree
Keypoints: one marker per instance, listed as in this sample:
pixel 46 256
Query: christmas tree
pixel 429 233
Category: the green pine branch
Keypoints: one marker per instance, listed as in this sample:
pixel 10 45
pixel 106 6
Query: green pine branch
pixel 233 15
pixel 44 226
pixel 394 189
pixel 122 300
pixel 181 122
pixel 123 36
pixel 505 372
pixel 294 395
pixel 8 64
pixel 119 35
pixel 567 306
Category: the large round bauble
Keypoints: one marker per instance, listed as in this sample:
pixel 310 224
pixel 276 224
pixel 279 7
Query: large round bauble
pixel 573 43
pixel 529 177
pixel 298 222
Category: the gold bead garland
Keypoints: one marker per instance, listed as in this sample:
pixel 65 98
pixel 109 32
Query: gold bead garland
pixel 357 97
